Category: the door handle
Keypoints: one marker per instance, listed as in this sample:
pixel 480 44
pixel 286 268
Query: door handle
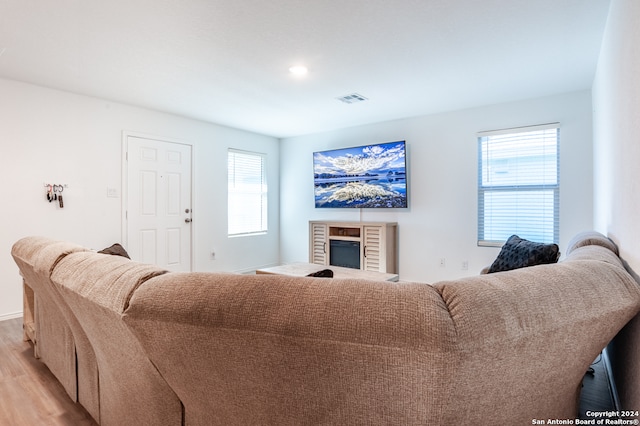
pixel 188 220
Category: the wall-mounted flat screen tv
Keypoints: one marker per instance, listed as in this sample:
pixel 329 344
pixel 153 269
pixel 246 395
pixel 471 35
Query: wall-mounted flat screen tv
pixel 369 176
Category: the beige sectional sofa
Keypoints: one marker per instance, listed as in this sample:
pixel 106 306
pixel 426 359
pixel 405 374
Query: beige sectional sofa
pixel 227 349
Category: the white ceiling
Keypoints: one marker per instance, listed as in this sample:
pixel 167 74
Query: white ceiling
pixel 226 61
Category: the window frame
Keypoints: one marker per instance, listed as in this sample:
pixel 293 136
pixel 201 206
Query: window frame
pixel 518 188
pixel 263 194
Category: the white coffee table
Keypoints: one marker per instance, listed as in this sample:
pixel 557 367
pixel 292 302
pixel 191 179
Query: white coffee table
pixel 303 269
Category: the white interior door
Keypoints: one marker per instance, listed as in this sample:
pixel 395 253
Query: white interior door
pixel 158 215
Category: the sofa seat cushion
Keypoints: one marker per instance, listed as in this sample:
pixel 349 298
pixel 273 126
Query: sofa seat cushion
pixel 519 253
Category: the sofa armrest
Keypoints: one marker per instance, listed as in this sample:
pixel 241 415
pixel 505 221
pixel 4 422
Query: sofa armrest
pixel 591 238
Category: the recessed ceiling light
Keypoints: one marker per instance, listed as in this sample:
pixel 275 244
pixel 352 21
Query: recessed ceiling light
pixel 298 70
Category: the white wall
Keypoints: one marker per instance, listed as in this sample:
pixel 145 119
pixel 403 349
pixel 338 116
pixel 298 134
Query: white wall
pixel 442 160
pixel 616 118
pixel 53 136
pixel 616 99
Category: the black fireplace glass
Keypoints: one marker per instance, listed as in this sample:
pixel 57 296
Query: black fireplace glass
pixel 344 253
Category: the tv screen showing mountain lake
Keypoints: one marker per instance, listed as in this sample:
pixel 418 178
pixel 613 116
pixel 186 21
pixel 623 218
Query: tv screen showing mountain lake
pixel 372 176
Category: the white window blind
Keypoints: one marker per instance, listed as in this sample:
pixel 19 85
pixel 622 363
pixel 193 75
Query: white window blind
pixel 247 196
pixel 518 184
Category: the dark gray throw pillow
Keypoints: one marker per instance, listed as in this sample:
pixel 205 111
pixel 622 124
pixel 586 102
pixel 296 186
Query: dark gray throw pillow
pixel 325 273
pixel 116 250
pixel 519 253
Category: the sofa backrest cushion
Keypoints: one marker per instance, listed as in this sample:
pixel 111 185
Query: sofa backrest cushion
pixel 39 255
pixel 267 349
pixel 352 310
pixel 97 288
pixel 106 280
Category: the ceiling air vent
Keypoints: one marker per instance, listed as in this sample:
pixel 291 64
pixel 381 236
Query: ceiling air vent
pixel 352 98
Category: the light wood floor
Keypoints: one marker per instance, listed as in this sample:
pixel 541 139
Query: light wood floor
pixel 31 396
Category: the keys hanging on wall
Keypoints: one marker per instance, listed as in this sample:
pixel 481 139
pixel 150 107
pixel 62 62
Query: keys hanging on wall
pixel 54 193
pixel 57 194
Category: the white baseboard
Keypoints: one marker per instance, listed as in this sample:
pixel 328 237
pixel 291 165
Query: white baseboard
pixel 11 316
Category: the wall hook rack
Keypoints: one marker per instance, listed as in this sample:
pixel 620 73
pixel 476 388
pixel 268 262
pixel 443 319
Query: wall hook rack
pixel 54 192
